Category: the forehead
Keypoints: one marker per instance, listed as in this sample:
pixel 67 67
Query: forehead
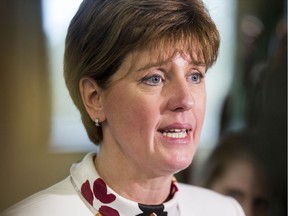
pixel 245 176
pixel 159 52
pixel 157 55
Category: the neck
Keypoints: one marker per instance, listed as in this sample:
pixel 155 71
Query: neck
pixel 130 181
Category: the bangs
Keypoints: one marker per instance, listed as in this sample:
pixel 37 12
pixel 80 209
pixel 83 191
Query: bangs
pixel 168 47
pixel 200 48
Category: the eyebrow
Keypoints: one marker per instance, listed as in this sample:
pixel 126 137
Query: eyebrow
pixel 160 63
pixel 233 191
pixel 152 64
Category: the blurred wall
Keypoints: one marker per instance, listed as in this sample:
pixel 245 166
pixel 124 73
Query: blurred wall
pixel 258 97
pixel 26 165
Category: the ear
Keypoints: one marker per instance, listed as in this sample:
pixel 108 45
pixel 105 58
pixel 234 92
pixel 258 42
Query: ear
pixel 91 97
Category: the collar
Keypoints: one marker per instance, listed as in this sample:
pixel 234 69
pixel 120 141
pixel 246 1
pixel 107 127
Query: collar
pixel 102 200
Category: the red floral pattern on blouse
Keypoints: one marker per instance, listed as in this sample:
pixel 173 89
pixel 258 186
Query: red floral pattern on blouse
pixel 87 192
pixel 100 193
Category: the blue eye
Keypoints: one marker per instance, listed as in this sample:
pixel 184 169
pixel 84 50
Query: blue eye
pixel 196 77
pixel 153 80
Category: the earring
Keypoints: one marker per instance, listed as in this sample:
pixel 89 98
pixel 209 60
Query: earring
pixel 97 123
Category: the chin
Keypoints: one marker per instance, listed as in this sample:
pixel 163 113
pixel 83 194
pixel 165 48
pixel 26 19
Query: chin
pixel 180 163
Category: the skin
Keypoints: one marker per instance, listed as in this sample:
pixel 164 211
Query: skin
pixel 243 181
pixel 147 97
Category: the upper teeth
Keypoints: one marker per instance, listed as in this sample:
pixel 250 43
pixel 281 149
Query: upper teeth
pixel 175 133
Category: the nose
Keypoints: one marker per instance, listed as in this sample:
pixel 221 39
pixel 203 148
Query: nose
pixel 181 97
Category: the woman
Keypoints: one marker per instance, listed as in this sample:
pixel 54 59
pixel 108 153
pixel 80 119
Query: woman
pixel 135 69
pixel 234 170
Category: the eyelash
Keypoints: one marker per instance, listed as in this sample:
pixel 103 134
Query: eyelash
pixel 200 76
pixel 148 79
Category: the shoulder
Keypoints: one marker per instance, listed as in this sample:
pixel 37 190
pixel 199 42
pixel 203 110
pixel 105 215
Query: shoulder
pixel 59 199
pixel 203 202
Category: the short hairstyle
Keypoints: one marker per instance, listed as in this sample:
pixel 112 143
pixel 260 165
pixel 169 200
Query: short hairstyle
pixel 103 32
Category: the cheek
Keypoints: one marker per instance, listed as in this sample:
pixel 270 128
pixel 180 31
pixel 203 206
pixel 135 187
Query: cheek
pixel 143 115
pixel 130 111
pixel 199 114
pixel 200 108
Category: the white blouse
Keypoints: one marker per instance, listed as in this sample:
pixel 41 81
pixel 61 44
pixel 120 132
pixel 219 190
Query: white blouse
pixel 85 193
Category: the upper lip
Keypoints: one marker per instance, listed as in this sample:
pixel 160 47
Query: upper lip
pixel 182 126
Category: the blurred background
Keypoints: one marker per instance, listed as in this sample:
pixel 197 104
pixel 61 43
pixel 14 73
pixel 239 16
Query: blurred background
pixel 41 133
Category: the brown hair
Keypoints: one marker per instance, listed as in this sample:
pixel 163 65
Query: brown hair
pixel 103 32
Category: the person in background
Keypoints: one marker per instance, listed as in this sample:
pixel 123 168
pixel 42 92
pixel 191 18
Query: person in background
pixel 136 71
pixel 234 170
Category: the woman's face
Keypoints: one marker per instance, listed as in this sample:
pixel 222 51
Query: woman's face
pixel 244 181
pixel 154 112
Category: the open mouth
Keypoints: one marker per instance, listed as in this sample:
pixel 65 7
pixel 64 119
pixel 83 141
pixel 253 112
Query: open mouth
pixel 175 133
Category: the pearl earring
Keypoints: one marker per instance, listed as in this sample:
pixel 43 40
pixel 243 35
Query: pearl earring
pixel 97 123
